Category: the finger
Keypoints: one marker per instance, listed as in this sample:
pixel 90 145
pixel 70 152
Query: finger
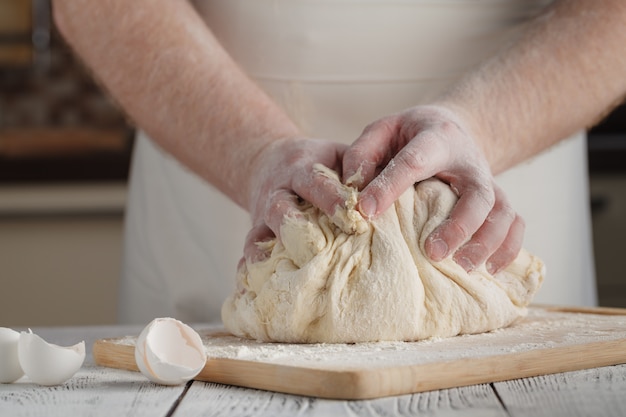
pixel 469 213
pixel 322 190
pixel 281 203
pixel 242 260
pixel 489 236
pixel 421 158
pixel 253 251
pixel 508 251
pixel 370 151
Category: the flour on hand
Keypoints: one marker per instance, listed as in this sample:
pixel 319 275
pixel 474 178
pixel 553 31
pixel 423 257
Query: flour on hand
pixel 343 279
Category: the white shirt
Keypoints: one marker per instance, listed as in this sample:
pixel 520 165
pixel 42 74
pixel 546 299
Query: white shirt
pixel 335 66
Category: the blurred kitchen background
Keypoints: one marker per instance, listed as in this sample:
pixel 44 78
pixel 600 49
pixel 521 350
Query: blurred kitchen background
pixel 64 159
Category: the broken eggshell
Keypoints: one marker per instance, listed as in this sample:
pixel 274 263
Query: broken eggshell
pixel 169 352
pixel 48 364
pixel 10 369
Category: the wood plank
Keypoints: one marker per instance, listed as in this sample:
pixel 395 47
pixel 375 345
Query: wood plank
pixel 546 342
pixel 611 311
pixel 60 141
pixel 93 391
pixel 15 55
pixel 599 392
pixel 209 399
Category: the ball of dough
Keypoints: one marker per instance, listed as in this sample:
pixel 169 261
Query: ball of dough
pixel 324 285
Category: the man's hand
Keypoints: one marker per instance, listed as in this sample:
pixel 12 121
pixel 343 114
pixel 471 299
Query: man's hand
pixel 283 174
pixel 425 141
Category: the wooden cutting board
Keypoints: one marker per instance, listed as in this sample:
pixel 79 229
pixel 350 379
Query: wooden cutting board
pixel 548 340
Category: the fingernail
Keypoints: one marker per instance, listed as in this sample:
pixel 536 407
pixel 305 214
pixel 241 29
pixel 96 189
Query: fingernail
pixel 465 263
pixel 367 206
pixel 438 249
pixel 491 268
pixel 261 252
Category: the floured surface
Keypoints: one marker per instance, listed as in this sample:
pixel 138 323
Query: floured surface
pixel 545 342
pixel 541 329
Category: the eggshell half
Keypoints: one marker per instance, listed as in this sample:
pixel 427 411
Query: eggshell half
pixel 10 369
pixel 48 364
pixel 169 352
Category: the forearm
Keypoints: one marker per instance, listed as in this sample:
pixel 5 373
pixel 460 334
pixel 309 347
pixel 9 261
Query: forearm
pixel 564 73
pixel 166 69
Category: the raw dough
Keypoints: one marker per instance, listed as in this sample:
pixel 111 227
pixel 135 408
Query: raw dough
pixel 374 282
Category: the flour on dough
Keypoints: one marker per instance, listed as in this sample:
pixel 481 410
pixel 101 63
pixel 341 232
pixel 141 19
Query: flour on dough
pixel 323 285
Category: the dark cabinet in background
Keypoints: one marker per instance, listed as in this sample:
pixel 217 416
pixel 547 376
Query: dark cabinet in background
pixel 607 174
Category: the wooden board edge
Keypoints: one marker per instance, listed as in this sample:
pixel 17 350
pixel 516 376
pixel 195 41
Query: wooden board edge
pixel 607 311
pixel 389 381
pixel 374 383
pixel 392 381
pixel 473 371
pixel 309 382
pixel 322 383
pixel 104 350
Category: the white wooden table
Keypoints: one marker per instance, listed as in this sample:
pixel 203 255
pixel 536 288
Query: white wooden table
pixel 97 391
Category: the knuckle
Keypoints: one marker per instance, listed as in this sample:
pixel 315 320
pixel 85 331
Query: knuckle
pixel 275 202
pixel 386 124
pixel 503 207
pixel 448 127
pixel 486 196
pixel 506 254
pixel 411 160
pixel 278 205
pixel 456 231
pixel 503 214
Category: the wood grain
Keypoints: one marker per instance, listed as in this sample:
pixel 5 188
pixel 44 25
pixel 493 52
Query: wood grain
pixel 599 392
pixel 97 391
pixel 93 391
pixel 563 352
pixel 208 399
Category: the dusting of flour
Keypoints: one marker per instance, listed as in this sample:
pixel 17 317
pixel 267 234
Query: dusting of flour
pixel 541 329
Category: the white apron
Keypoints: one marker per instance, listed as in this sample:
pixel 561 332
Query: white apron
pixel 335 66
